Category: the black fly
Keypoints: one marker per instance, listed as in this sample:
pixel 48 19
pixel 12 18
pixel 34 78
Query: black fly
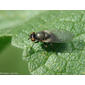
pixel 58 36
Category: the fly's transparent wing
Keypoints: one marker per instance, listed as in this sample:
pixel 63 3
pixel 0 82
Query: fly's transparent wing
pixel 59 36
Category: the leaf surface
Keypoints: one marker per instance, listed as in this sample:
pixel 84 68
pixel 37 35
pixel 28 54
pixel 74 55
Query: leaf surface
pixel 65 58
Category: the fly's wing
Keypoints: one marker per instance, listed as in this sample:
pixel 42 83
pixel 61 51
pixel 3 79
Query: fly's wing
pixel 59 36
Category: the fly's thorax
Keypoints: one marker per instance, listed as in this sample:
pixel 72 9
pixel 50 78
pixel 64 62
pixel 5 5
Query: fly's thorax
pixel 40 35
pixel 47 35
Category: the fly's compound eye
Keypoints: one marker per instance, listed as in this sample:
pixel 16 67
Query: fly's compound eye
pixel 32 36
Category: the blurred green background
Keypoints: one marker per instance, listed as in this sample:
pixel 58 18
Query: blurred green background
pixel 11 61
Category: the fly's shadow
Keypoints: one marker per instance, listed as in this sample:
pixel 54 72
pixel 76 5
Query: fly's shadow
pixel 73 46
pixel 54 47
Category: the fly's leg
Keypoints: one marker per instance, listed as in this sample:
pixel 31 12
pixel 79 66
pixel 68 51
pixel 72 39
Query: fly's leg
pixel 36 41
pixel 46 45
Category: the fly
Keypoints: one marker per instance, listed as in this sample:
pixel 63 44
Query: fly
pixel 56 36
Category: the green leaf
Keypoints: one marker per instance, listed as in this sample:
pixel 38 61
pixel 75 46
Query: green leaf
pixel 10 19
pixel 11 61
pixel 61 58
